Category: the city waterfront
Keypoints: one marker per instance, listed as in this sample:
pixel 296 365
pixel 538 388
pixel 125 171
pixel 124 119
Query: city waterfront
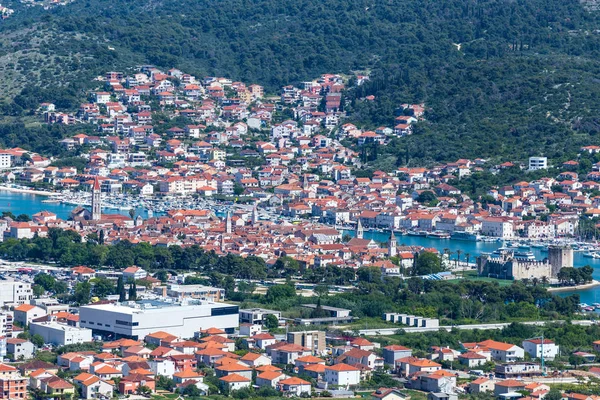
pixel 474 249
pixel 25 203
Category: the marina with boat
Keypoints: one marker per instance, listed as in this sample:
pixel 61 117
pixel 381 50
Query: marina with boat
pixel 464 245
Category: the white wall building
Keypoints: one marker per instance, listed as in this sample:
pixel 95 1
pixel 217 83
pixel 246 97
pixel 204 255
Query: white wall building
pixel 5 160
pixel 534 348
pixel 191 292
pixel 342 375
pixel 133 273
pixel 497 227
pixel 536 163
pixel 162 367
pixel 136 320
pixel 257 315
pixel 14 292
pixel 6 324
pixel 504 352
pixel 60 334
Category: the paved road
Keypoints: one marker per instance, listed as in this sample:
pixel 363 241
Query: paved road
pixel 392 331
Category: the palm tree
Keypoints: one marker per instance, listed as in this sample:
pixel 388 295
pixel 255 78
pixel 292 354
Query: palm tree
pixel 445 255
pixel 535 281
pixel 450 253
pixel 468 257
pixel 525 281
pixel 545 280
pixel 458 253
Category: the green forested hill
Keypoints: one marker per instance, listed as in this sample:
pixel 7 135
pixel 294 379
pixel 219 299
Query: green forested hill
pixel 500 77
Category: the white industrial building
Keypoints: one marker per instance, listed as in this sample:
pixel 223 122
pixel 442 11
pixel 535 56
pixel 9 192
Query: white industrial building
pixel 138 319
pixel 181 292
pixel 14 293
pixel 60 334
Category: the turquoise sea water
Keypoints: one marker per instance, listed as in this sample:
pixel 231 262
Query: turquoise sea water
pixel 24 203
pixel 476 248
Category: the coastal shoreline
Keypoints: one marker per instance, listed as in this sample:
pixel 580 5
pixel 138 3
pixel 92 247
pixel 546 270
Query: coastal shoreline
pixel 586 286
pixel 28 191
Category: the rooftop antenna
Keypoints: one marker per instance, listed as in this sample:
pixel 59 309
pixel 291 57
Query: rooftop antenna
pixel 542 351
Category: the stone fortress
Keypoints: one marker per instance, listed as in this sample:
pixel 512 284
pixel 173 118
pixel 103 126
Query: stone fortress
pixel 506 264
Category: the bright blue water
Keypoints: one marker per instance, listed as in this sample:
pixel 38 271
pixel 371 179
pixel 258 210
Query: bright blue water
pixel 24 203
pixel 476 248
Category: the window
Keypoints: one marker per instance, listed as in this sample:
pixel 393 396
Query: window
pixel 224 311
pixel 126 323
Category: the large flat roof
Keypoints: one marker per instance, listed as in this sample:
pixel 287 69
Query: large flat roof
pixel 56 325
pixel 145 306
pixel 327 308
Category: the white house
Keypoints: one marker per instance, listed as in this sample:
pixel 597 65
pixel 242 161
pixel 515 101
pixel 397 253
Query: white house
pixel 235 381
pixel 93 387
pixel 133 273
pixel 534 348
pixel 342 375
pixel 505 352
pixel 136 320
pixel 20 348
pixel 162 367
pixel 25 313
pixel 472 359
pixel 409 365
pixel 255 359
pixel 294 386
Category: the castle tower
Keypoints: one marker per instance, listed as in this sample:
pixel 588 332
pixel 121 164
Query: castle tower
pixel 559 257
pixel 392 246
pixel 228 228
pixel 359 230
pixel 305 183
pixel 96 200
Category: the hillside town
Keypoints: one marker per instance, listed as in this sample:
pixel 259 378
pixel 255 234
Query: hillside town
pixel 217 164
pixel 171 160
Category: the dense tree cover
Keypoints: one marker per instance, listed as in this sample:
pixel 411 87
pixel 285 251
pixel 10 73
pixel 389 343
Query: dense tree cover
pixel 459 302
pixel 43 139
pixel 466 301
pixel 67 249
pixel 576 276
pixel 45 282
pixel 500 78
pixel 427 263
pixel 509 107
pixel 375 294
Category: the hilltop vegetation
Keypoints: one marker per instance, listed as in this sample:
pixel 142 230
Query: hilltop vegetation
pixel 500 78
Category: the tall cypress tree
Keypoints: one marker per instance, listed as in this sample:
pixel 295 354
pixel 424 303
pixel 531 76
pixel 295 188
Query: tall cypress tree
pixel 121 289
pixel 132 291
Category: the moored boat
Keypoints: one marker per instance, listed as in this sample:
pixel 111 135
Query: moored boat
pixel 465 236
pixel 439 235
